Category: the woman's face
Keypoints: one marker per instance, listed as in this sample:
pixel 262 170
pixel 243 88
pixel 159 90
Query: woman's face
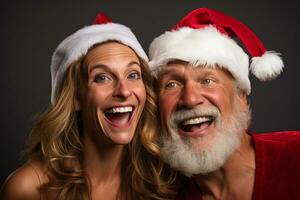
pixel 115 95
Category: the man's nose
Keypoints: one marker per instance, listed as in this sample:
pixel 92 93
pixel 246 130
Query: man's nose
pixel 122 90
pixel 190 96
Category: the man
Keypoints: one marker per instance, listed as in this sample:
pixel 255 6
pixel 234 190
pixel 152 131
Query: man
pixel 203 83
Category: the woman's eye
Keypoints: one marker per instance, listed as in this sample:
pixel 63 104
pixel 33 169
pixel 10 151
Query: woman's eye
pixel 101 78
pixel 134 75
pixel 171 84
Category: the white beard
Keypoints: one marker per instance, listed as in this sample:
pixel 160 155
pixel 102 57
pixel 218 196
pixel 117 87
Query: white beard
pixel 187 155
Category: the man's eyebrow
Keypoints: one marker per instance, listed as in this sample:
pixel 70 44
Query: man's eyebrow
pixel 170 72
pixel 204 72
pixel 166 70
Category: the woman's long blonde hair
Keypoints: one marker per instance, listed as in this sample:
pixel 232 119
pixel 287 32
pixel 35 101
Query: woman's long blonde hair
pixel 56 140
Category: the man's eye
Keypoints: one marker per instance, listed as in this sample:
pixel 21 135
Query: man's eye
pixel 101 78
pixel 171 84
pixel 134 75
pixel 207 81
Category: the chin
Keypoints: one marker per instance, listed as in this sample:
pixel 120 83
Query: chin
pixel 196 156
pixel 122 138
pixel 202 155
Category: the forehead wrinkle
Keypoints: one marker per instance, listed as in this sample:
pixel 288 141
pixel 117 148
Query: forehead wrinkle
pixel 130 65
pixel 105 56
pixel 108 51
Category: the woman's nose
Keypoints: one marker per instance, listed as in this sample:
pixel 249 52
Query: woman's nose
pixel 122 90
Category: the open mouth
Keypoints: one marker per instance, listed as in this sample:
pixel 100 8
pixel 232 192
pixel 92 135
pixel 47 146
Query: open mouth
pixel 119 116
pixel 196 123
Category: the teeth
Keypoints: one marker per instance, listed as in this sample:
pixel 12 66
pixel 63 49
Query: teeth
pixel 197 120
pixel 120 109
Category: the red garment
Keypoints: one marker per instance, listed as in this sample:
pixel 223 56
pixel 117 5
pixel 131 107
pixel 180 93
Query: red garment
pixel 277 173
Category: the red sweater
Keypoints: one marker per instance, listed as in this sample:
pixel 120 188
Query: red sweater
pixel 277 173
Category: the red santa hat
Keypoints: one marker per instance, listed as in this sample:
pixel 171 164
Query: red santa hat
pixel 205 36
pixel 78 44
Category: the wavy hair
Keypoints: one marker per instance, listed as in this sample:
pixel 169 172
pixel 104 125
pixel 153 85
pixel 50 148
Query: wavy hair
pixel 56 141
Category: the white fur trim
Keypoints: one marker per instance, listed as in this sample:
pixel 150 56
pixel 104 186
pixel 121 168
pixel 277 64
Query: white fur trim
pixel 78 44
pixel 268 66
pixel 202 46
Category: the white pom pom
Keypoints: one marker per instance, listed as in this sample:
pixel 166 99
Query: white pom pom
pixel 267 67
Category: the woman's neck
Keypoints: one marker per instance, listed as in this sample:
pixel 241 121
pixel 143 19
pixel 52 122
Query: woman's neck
pixel 102 162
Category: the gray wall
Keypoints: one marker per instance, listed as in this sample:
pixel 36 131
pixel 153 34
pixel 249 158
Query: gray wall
pixel 30 31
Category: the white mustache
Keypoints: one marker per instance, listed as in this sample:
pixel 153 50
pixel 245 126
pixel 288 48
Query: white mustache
pixel 185 114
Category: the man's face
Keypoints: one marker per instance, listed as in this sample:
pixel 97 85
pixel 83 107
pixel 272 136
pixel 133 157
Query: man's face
pixel 196 105
pixel 182 87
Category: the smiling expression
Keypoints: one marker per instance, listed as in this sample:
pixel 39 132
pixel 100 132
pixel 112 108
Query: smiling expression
pixel 115 95
pixel 183 89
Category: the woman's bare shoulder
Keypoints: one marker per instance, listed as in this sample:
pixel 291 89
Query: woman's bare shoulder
pixel 25 182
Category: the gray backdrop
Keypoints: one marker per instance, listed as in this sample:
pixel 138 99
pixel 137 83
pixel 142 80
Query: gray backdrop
pixel 30 31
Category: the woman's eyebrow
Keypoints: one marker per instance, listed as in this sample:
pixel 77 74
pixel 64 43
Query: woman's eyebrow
pixel 103 66
pixel 133 63
pixel 98 66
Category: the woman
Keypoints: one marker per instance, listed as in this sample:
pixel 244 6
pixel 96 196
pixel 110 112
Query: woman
pixel 98 139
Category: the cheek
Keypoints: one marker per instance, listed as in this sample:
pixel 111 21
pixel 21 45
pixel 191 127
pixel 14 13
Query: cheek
pixel 167 103
pixel 140 92
pixel 98 96
pixel 223 100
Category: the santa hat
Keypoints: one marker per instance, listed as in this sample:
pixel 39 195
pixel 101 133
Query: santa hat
pixel 78 44
pixel 205 36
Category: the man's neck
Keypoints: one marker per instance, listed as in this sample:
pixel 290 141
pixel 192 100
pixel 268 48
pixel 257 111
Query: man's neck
pixel 235 180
